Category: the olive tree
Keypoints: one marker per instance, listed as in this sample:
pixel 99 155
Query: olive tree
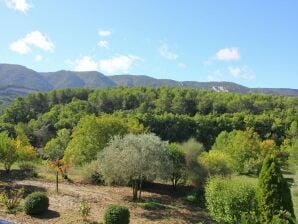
pixel 135 158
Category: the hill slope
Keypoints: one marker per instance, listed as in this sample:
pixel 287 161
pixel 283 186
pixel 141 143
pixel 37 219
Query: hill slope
pixel 19 80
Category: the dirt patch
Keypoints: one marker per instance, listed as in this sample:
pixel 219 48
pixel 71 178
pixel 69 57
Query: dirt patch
pixel 64 206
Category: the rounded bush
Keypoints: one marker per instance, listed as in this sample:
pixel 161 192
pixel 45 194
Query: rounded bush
pixel 116 214
pixel 36 203
pixel 228 199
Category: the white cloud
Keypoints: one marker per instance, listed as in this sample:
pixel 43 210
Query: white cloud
pixel 166 53
pixel 104 33
pixel 243 72
pixel 85 63
pixel 35 38
pixel 20 47
pixel 121 63
pixel 103 44
pixel 228 54
pixel 38 57
pixel 20 5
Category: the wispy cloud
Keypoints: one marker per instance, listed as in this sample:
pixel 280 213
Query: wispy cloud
pixel 19 5
pixel 86 63
pixel 166 52
pixel 121 63
pixel 103 44
pixel 104 33
pixel 228 54
pixel 215 76
pixel 38 57
pixel 36 39
pixel 181 65
pixel 243 72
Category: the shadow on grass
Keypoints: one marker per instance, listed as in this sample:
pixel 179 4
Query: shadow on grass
pixel 13 175
pixel 50 214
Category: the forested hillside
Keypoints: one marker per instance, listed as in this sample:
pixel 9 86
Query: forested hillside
pixel 174 114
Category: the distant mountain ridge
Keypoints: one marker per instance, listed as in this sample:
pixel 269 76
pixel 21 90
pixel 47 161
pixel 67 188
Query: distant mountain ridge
pixel 19 80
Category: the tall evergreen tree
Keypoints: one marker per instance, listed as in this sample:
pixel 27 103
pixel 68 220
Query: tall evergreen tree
pixel 273 192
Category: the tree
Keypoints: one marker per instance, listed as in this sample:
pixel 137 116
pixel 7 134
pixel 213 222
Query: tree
pixel 273 192
pixel 133 159
pixel 216 162
pixel 196 173
pixel 54 151
pixel 244 149
pixel 8 152
pixel 177 158
pixel 93 133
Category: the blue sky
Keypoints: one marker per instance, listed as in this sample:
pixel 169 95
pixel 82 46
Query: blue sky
pixel 253 43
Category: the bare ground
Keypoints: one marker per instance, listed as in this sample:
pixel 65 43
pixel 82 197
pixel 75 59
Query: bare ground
pixel 64 206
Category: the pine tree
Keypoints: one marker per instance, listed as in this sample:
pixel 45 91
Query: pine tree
pixel 273 192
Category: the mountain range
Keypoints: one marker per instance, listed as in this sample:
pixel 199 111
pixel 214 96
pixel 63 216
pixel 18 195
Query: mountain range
pixel 19 80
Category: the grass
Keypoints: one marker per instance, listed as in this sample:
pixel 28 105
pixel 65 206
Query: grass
pixel 151 205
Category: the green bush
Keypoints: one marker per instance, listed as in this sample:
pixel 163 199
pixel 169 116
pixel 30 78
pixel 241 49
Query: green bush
pixel 91 173
pixel 228 199
pixel 36 203
pixel 116 214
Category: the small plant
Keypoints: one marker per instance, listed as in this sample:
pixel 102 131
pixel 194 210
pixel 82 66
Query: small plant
pixel 36 203
pixel 116 214
pixel 91 173
pixel 84 209
pixel 11 199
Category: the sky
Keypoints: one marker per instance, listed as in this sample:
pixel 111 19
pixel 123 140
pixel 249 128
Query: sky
pixel 253 43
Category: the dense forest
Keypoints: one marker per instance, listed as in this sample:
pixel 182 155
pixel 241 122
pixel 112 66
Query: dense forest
pixel 174 114
pixel 133 136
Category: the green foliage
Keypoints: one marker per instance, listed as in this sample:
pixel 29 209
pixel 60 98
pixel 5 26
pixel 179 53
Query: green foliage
pixel 36 203
pixel 116 214
pixel 216 162
pixel 91 173
pixel 228 199
pixel 196 173
pixel 177 158
pixel 243 147
pixel 84 209
pixel 29 168
pixel 273 192
pixel 11 198
pixel 135 158
pixel 151 205
pixel 92 134
pixel 8 152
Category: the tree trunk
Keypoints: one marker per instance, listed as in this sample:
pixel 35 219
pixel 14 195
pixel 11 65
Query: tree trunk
pixel 57 176
pixel 140 189
pixel 135 190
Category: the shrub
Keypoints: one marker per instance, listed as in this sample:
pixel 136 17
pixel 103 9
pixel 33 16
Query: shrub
pixel 91 173
pixel 116 214
pixel 196 198
pixel 36 203
pixel 11 199
pixel 273 192
pixel 84 209
pixel 228 199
